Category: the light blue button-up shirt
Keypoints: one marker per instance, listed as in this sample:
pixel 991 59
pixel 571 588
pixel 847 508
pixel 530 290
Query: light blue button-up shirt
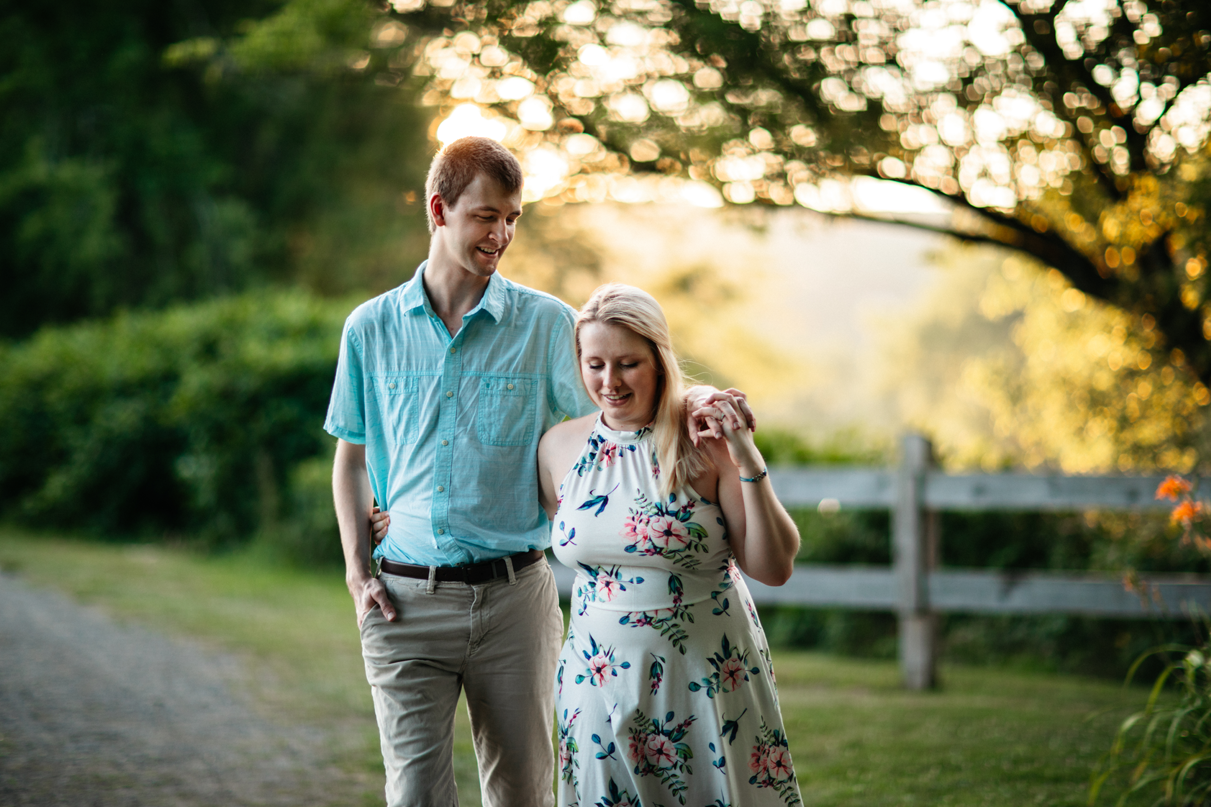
pixel 451 425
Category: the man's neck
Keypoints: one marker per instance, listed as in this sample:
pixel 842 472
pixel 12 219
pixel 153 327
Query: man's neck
pixel 452 291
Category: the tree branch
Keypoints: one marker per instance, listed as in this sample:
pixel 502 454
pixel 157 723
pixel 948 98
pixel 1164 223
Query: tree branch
pixel 1069 73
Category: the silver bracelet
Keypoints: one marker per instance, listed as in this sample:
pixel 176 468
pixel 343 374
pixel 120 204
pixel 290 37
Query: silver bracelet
pixel 764 473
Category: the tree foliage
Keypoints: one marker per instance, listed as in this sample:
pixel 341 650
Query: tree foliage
pixel 1074 131
pixel 151 152
pixel 1006 364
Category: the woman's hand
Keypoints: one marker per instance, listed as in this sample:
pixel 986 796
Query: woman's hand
pixel 732 422
pixel 379 523
pixel 700 413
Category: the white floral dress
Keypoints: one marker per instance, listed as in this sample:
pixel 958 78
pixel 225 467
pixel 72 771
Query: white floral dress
pixel 665 692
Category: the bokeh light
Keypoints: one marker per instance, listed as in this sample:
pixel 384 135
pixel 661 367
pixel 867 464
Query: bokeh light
pixel 468 120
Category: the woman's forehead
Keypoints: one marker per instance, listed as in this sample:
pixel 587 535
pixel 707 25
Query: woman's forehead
pixel 611 338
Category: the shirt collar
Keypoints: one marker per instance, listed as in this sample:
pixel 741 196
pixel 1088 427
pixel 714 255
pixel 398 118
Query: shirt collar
pixel 414 299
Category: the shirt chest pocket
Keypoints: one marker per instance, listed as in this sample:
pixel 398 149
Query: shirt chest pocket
pixel 507 406
pixel 402 396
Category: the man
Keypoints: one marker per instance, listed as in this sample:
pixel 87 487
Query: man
pixel 443 388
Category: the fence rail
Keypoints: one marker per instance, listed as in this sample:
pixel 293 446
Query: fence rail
pixel 876 488
pixel 917 589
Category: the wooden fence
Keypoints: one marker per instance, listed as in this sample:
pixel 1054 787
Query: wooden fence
pixel 917 589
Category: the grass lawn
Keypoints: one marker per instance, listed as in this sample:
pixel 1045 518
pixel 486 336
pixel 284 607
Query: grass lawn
pixel 988 737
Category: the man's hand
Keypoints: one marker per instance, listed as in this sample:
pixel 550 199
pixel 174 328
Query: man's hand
pixel 701 419
pixel 369 593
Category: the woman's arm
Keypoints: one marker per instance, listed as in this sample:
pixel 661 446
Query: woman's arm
pixel 762 534
pixel 557 450
pixel 547 488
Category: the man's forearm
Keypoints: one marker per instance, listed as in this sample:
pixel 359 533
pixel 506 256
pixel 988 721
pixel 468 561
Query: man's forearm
pixel 353 499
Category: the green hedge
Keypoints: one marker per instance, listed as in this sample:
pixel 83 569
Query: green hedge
pixel 197 421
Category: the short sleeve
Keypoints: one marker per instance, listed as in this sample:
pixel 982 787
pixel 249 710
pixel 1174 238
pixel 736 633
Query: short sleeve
pixel 347 407
pixel 568 395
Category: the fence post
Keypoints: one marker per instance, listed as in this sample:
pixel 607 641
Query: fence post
pixel 914 553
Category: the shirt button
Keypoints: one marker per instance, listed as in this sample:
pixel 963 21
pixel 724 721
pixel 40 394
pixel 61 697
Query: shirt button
pixel 440 488
pixel 441 532
pixel 391 385
pixel 453 350
pixel 445 442
pixel 510 386
pixel 449 394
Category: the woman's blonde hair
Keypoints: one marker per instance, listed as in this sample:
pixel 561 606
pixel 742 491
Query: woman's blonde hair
pixel 637 311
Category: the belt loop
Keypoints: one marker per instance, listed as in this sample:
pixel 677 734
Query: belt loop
pixel 429 589
pixel 509 568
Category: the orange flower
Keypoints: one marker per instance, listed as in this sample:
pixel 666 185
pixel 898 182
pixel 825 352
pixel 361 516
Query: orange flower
pixel 1186 512
pixel 1172 487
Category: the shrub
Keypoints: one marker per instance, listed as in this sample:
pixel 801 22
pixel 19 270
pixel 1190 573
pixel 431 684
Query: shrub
pixel 1163 752
pixel 183 421
pixel 308 534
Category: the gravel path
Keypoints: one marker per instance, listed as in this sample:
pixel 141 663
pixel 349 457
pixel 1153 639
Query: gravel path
pixel 95 713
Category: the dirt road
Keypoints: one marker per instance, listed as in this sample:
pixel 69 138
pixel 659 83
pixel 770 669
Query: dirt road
pixel 94 713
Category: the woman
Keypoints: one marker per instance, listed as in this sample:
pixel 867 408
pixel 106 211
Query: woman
pixel 665 690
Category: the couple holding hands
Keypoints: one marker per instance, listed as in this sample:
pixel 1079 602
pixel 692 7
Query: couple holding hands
pixel 450 406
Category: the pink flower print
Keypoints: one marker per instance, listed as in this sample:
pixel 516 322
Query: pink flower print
pixel 779 764
pixel 599 665
pixel 731 675
pixel 660 752
pixel 607 455
pixel 564 754
pixel 668 533
pixel 638 744
pixel 607 587
pixel 759 760
pixel 634 531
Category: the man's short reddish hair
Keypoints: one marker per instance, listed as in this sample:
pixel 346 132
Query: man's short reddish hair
pixel 456 166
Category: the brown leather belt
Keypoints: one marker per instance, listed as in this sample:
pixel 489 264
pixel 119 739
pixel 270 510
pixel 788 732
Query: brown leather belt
pixel 472 573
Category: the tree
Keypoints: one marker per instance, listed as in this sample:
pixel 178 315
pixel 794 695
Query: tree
pixel 1006 364
pixel 144 160
pixel 1075 132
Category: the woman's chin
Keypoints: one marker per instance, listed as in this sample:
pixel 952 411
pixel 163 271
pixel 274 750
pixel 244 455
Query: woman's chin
pixel 624 418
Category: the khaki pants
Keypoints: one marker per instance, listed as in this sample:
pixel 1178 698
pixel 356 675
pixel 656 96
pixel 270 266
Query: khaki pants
pixel 499 642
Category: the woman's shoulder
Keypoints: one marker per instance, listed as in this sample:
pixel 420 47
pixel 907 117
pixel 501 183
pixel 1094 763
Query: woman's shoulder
pixel 570 434
pixel 573 427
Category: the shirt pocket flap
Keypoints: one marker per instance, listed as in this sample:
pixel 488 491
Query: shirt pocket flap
pixel 507 409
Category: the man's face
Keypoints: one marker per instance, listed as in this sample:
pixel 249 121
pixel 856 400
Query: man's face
pixel 479 227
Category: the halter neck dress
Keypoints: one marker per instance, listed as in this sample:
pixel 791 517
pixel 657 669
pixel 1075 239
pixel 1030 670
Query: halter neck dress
pixel 664 692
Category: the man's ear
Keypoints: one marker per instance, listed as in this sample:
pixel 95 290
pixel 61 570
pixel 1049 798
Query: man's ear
pixel 437 209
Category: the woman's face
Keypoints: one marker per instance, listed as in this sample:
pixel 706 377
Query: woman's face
pixel 619 371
